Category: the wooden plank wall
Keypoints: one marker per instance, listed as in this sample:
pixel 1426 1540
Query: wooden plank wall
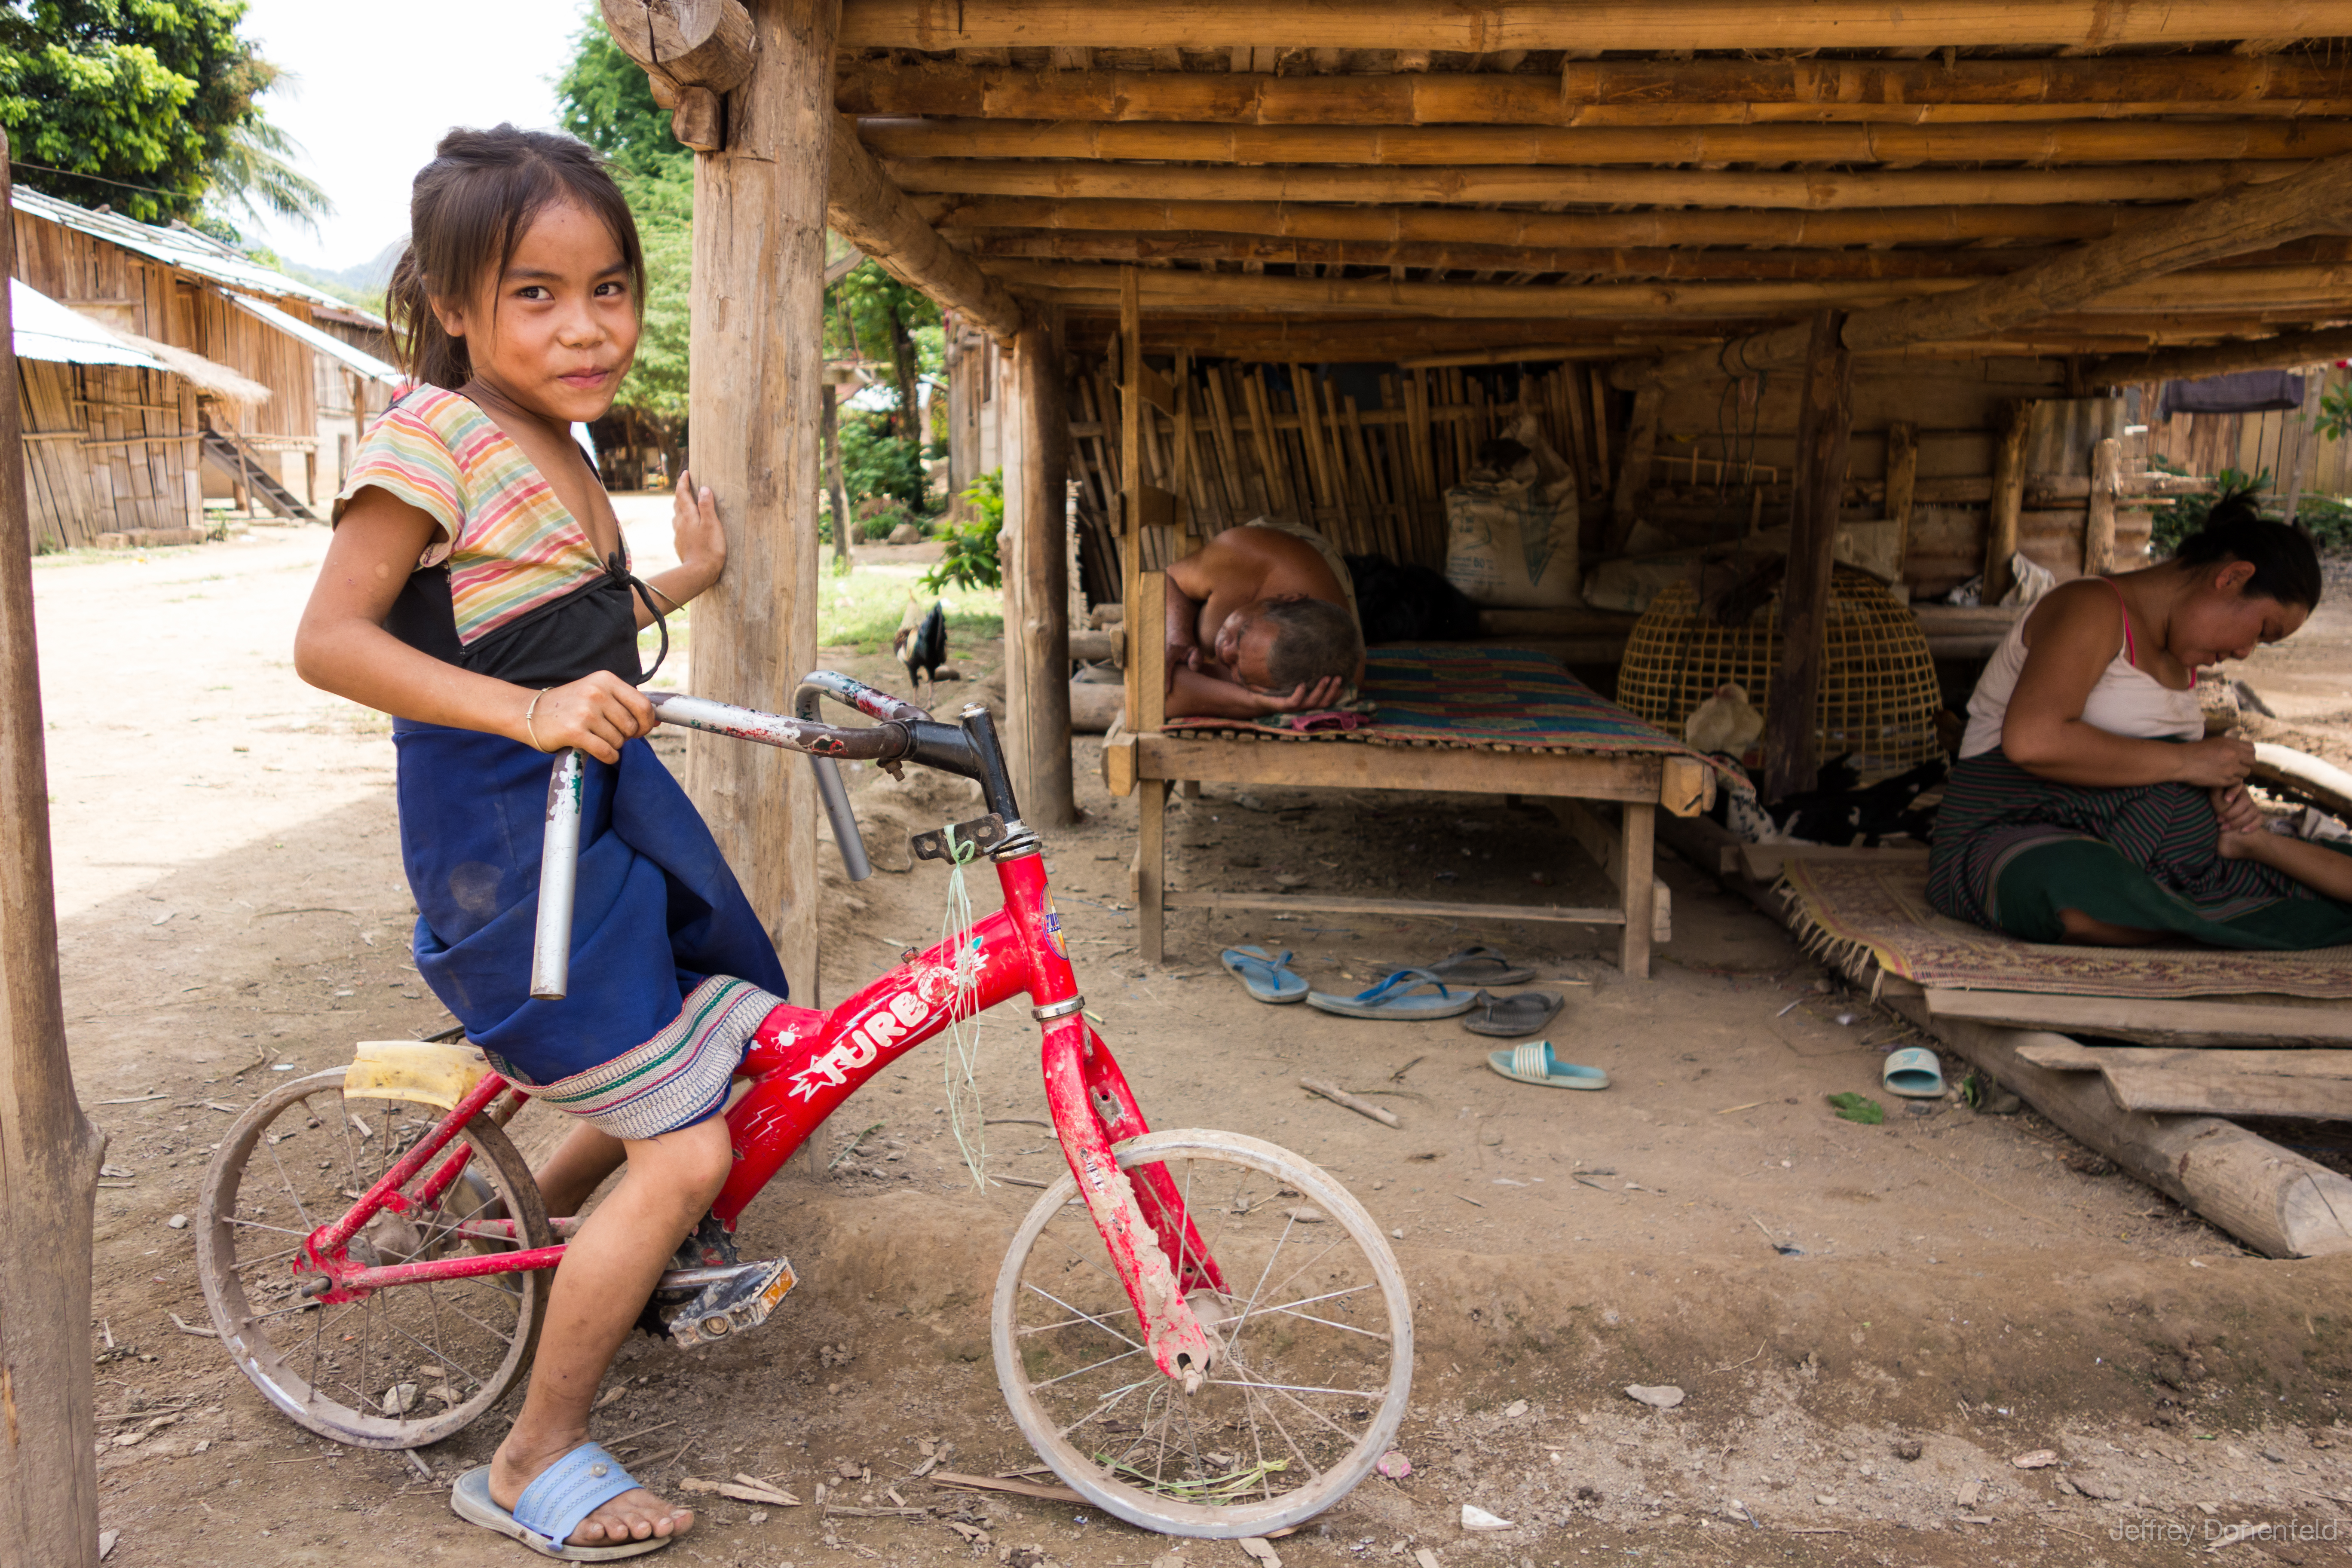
pixel 106 447
pixel 2257 443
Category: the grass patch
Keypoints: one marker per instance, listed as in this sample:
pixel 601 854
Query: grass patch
pixel 862 609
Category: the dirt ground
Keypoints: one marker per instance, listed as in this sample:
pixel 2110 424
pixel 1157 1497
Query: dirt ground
pixel 1826 1293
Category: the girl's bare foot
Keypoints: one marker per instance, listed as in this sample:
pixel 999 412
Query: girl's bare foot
pixel 635 1515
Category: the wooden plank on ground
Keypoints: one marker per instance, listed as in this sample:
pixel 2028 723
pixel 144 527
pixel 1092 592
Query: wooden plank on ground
pixel 2155 1021
pixel 2212 1088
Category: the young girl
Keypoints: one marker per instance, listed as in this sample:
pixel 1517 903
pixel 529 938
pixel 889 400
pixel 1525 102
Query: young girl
pixel 478 589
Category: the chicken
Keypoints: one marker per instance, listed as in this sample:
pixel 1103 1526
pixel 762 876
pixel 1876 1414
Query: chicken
pixel 1726 722
pixel 921 641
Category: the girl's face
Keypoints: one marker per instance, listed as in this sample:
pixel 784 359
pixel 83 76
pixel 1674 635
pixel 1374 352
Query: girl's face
pixel 2220 620
pixel 556 332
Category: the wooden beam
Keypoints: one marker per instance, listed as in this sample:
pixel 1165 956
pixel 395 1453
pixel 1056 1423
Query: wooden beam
pixel 2164 1021
pixel 1678 264
pixel 2003 515
pixel 1632 487
pixel 694 52
pixel 2071 142
pixel 755 401
pixel 2230 291
pixel 2310 202
pixel 1391 225
pixel 2275 1200
pixel 1037 580
pixel 2220 359
pixel 2099 518
pixel 1819 190
pixel 936 25
pixel 866 209
pixel 1609 91
pixel 48 1151
pixel 1902 483
pixel 1825 427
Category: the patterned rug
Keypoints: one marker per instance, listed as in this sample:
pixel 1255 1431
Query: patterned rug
pixel 1504 699
pixel 1864 916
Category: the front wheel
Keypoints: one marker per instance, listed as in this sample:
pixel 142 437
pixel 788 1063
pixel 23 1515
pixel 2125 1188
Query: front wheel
pixel 1313 1330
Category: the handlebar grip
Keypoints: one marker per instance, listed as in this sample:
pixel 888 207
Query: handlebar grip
pixel 559 881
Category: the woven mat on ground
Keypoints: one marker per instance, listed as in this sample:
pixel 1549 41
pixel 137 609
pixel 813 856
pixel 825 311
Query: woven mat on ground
pixel 1503 698
pixel 1858 914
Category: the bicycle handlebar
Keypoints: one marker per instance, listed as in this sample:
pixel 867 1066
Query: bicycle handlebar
pixel 904 732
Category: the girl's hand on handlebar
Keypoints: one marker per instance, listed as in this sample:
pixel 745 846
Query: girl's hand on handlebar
pixel 597 714
pixel 2220 762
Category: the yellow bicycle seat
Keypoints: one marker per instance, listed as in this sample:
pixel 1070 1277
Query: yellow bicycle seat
pixel 425 1071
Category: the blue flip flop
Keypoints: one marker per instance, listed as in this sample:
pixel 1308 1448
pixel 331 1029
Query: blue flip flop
pixel 1398 996
pixel 552 1505
pixel 1534 1063
pixel 1268 974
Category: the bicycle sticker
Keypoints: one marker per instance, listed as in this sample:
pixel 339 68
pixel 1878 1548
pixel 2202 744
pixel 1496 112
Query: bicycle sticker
pixel 1094 1168
pixel 1054 937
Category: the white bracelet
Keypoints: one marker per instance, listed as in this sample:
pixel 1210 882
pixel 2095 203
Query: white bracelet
pixel 527 714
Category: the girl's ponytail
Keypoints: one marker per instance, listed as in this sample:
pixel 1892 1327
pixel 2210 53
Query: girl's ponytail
pixel 467 212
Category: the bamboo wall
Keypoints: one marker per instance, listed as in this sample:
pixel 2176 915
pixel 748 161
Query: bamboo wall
pixel 107 448
pixel 1281 441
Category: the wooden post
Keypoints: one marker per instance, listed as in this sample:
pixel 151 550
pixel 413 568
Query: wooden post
pixel 829 452
pixel 1036 578
pixel 2302 430
pixel 48 1151
pixel 2099 522
pixel 1824 423
pixel 2008 500
pixel 1144 620
pixel 1634 478
pixel 1902 485
pixel 756 402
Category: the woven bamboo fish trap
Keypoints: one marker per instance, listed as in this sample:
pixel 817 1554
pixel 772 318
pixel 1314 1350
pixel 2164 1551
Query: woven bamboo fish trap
pixel 1878 695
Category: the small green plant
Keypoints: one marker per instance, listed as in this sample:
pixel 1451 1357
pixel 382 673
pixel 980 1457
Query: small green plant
pixel 971 561
pixel 876 529
pixel 2335 413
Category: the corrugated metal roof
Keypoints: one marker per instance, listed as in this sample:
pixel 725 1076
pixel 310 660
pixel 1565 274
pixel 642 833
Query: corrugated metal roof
pixel 366 364
pixel 46 330
pixel 180 248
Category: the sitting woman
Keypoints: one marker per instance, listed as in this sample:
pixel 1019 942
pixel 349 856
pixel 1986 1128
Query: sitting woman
pixel 2088 806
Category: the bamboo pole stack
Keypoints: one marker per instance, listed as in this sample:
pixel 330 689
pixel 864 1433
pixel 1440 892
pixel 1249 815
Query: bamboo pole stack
pixel 1279 441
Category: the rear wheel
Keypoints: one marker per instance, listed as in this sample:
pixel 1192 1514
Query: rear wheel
pixel 409 1365
pixel 1313 1329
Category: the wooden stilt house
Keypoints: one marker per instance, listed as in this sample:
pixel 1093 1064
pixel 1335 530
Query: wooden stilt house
pixel 1753 270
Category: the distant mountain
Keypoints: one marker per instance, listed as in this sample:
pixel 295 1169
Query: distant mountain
pixel 362 285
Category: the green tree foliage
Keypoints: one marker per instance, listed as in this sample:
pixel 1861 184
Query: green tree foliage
pixel 875 462
pixel 150 105
pixel 605 100
pixel 971 559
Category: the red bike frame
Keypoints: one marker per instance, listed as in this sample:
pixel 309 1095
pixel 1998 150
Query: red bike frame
pixel 804 1063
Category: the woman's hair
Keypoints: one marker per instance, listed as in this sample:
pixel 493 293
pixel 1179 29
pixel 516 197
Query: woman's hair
pixel 467 214
pixel 2286 566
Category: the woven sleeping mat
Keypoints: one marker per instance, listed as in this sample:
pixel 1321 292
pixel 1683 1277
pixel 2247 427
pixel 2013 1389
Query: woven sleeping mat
pixel 1864 915
pixel 1505 698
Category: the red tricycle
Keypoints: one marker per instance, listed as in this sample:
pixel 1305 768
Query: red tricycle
pixel 1203 1333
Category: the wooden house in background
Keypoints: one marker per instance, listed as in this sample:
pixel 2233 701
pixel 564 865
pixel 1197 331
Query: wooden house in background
pixel 280 397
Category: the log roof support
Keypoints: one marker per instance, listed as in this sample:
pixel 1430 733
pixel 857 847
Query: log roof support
pixel 1613 91
pixel 2310 202
pixel 1731 24
pixel 2221 359
pixel 874 214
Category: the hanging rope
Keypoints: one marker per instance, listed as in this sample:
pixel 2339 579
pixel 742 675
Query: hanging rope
pixel 961 1060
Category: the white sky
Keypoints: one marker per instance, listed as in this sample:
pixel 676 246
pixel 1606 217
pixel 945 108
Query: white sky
pixel 378 85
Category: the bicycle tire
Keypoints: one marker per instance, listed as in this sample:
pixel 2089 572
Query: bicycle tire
pixel 1024 1353
pixel 268 1356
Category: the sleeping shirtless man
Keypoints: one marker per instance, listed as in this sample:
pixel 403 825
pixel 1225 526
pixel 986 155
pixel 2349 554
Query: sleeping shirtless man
pixel 1260 620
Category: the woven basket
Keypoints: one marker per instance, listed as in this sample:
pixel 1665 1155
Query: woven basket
pixel 1878 695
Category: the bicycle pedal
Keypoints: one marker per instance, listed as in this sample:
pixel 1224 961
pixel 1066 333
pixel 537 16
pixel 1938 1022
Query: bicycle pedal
pixel 736 1301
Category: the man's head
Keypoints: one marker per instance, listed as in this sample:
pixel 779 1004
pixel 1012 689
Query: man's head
pixel 1282 643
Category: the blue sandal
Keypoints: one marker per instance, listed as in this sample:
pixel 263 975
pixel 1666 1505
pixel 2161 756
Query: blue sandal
pixel 1398 997
pixel 1268 976
pixel 552 1505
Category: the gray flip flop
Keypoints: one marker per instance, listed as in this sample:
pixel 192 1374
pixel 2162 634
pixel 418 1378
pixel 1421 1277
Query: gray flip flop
pixel 1397 997
pixel 1508 1017
pixel 1479 965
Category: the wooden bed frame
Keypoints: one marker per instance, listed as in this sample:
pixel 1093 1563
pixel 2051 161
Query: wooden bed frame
pixel 1574 785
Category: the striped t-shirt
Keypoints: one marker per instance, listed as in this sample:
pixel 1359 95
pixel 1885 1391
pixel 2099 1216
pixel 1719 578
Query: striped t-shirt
pixel 510 544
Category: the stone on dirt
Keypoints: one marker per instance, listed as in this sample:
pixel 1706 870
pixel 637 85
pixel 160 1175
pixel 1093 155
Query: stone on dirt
pixel 1662 1397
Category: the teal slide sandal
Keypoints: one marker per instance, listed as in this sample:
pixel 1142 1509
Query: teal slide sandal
pixel 1912 1072
pixel 1534 1063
